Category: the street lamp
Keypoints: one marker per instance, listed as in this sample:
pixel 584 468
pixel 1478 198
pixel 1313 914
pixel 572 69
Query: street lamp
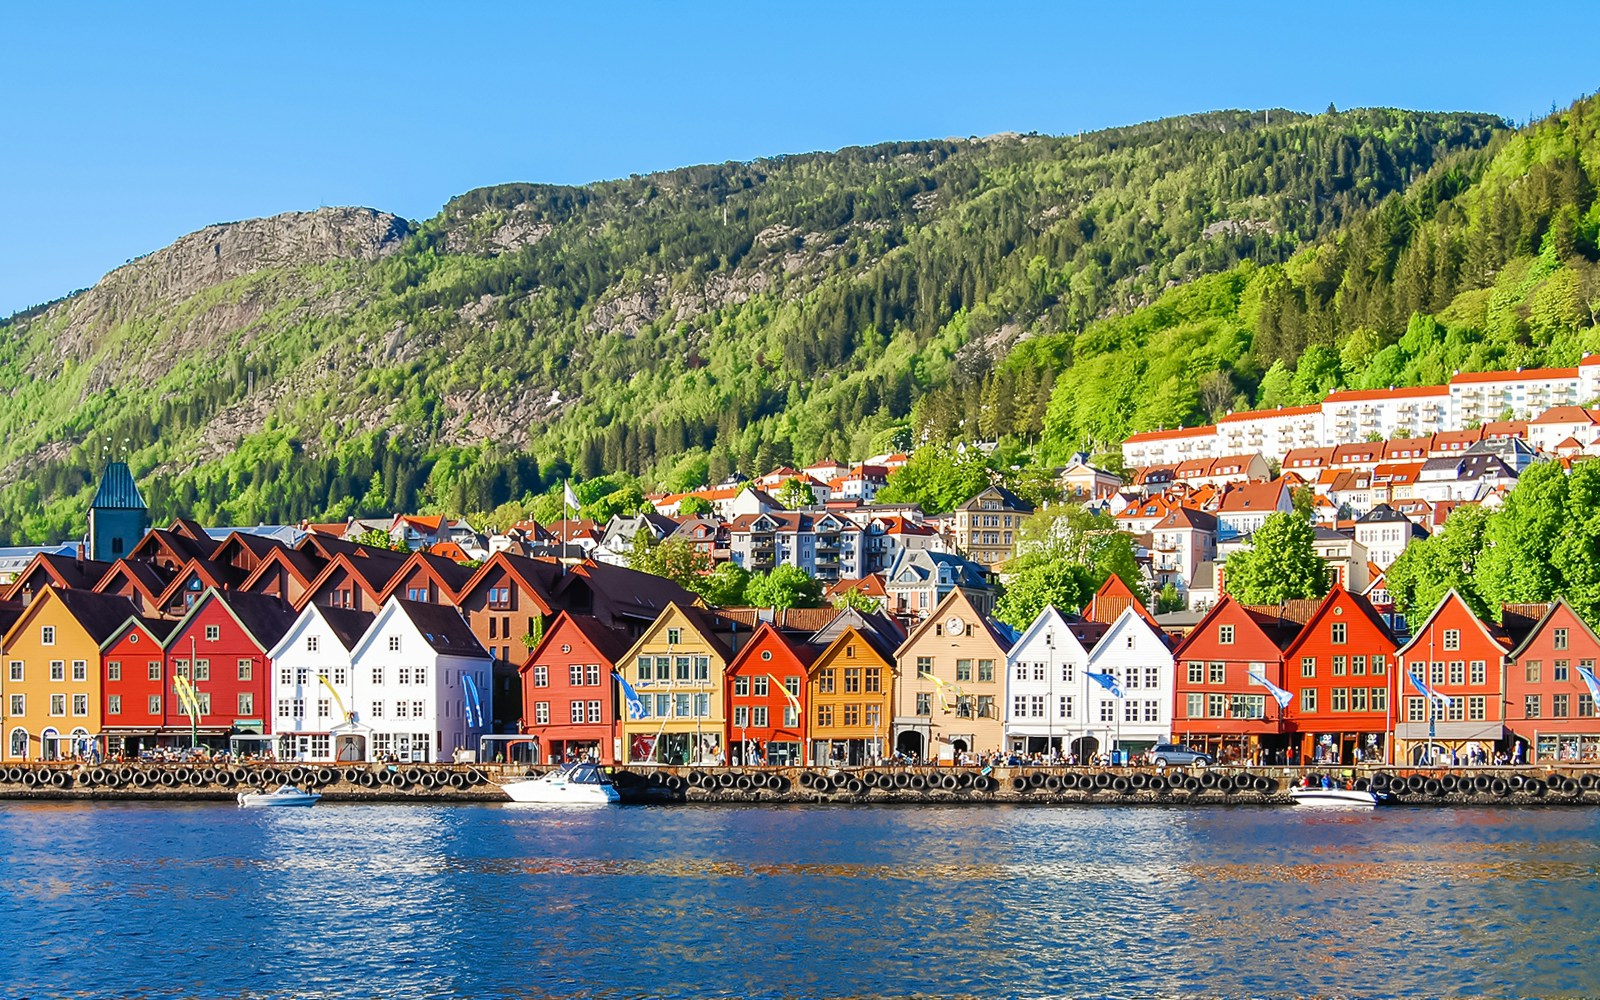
pixel 1050 695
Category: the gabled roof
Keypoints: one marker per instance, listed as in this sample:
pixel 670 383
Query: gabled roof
pixel 1050 620
pixel 870 585
pixel 1001 634
pixel 145 578
pixel 100 615
pixel 299 564
pixel 1005 496
pixel 1337 594
pixel 177 546
pixel 611 643
pixel 807 620
pixel 1113 598
pixel 1277 629
pixel 265 618
pixel 804 653
pixel 208 573
pixel 450 576
pixel 1544 622
pixel 1490 631
pixel 441 625
pixel 347 626
pixel 65 572
pixel 1187 517
pixel 1253 497
pixel 158 629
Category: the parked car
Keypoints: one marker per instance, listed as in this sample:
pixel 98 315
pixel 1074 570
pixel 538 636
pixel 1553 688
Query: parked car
pixel 1175 754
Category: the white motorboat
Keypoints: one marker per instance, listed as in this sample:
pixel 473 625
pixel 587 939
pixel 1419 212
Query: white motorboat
pixel 283 795
pixel 574 784
pixel 1333 797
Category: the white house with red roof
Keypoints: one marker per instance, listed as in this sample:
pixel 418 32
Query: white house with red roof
pixel 1352 415
pixel 1274 433
pixel 1570 428
pixel 1169 447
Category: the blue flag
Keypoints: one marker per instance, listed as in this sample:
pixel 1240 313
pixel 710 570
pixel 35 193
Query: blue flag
pixel 475 703
pixel 1426 691
pixel 1107 681
pixel 635 706
pixel 1593 684
pixel 1279 695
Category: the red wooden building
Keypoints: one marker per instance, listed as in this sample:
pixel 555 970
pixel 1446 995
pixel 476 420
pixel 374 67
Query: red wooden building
pixel 134 686
pixel 570 700
pixel 221 647
pixel 1549 708
pixel 764 691
pixel 1216 707
pixel 1339 670
pixel 1459 657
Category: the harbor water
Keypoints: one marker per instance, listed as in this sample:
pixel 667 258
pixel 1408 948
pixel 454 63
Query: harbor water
pixel 206 900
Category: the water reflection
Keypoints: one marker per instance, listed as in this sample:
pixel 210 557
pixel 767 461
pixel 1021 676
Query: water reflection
pixel 794 901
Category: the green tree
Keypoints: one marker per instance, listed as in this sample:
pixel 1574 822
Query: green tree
pixel 725 586
pixel 938 478
pixel 1038 581
pixel 793 493
pixel 1282 565
pixel 1168 599
pixel 1430 568
pixel 783 587
pixel 1071 533
pixel 675 559
pixel 855 598
pixel 695 507
pixel 380 539
pixel 1521 539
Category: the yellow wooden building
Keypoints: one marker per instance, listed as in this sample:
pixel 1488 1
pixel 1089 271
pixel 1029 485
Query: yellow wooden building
pixel 676 667
pixel 948 701
pixel 850 699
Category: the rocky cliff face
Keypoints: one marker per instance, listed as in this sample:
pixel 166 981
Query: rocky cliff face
pixel 213 256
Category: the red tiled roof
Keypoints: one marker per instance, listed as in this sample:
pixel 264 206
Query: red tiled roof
pixel 1528 375
pixel 1282 411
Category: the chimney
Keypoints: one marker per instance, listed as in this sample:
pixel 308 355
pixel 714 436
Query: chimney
pixel 80 557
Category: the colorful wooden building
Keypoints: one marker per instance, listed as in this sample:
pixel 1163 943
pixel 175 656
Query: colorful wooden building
pixel 1338 669
pixel 678 667
pixel 1550 708
pixel 1216 706
pixel 764 691
pixel 569 698
pixel 952 677
pixel 850 689
pixel 1459 658
pixel 136 686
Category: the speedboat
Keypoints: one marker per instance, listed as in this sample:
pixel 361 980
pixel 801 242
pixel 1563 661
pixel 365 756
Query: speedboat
pixel 283 795
pixel 574 784
pixel 1325 797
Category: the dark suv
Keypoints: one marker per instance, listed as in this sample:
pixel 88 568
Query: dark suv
pixel 1165 754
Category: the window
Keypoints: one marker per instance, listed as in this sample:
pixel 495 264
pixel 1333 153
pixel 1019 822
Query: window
pixel 1437 670
pixel 1308 666
pixel 963 670
pixel 1225 635
pixel 681 706
pixel 394 644
pixel 202 670
pixel 576 712
pixel 986 708
pixel 1477 708
pixel 324 708
pixel 246 704
pixel 1130 711
pixel 1416 710
pixel 741 716
pixel 741 687
pixel 377 709
pixel 58 704
pixel 985 670
pixel 1338 666
pixel 1379 699
pixel 1066 671
pixel 680 668
pixel 1341 633
pixel 16 670
pixel 1152 711
pixel 313 644
pixel 58 670
pixel 1194 706
pixel 422 675
pixel 1219 673
pixel 1559 638
pixel 1340 700
pixel 1530 705
pixel 674 636
pixel 1452 639
pixel 1558 670
pixel 1308 700
pixel 541 713
pixel 758 715
pixel 825 713
pixel 246 669
pixel 1377 665
pixel 924 703
pixel 575 674
pixel 1249 706
pixel 759 684
pixel 852 680
pixel 872 681
pixel 154 706
pixel 405 675
pixel 1585 706
pixel 47 635
pixel 299 708
pixel 213 633
pixel 1215 705
pixel 1358 699
pixel 591 674
pixel 645 671
pixel 1558 706
pixel 19 705
pixel 1019 707
pixel 1197 673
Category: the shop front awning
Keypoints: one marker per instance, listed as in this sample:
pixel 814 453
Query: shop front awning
pixel 1490 731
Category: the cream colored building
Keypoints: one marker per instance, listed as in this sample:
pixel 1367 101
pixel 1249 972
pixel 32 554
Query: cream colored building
pixel 948 697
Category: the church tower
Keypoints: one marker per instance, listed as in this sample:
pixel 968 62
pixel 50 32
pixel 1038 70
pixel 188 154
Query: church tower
pixel 118 516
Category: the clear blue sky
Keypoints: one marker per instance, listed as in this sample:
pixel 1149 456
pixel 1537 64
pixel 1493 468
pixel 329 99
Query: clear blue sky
pixel 127 125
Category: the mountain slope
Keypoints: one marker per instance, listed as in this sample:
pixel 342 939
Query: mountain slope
pixel 670 325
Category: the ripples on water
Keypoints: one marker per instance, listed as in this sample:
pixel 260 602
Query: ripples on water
pixel 391 901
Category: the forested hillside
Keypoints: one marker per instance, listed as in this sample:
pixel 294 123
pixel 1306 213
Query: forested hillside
pixel 683 324
pixel 1488 261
